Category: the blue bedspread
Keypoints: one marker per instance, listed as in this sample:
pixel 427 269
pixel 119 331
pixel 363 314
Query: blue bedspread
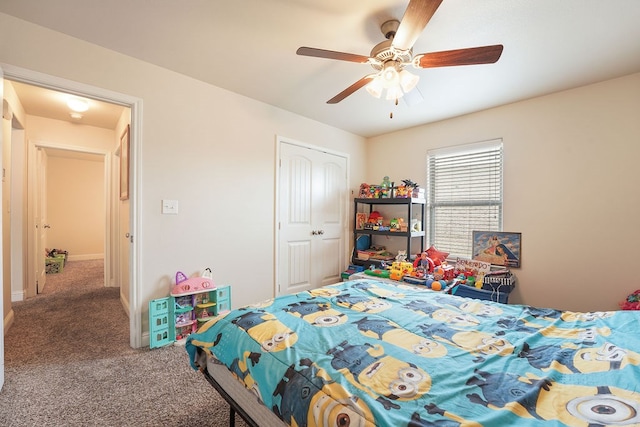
pixel 368 352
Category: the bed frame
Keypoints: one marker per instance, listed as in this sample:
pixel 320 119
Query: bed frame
pixel 240 400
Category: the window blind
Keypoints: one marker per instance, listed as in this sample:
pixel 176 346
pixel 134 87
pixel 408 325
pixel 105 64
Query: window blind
pixel 464 193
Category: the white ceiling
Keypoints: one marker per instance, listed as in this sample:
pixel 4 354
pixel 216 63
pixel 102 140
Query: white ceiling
pixel 248 47
pixel 48 103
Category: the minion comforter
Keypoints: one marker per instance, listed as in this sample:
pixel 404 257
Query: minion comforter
pixel 367 352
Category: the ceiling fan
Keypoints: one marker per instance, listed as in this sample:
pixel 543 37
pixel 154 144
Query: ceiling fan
pixel 390 57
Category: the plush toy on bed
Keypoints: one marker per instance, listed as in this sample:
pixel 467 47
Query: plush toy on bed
pixel 193 285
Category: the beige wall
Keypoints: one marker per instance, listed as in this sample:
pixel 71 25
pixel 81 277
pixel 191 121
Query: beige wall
pixel 571 187
pixel 76 206
pixel 212 150
pixel 79 228
pixel 18 116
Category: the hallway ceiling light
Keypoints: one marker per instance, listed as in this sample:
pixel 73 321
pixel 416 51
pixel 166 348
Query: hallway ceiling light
pixel 78 105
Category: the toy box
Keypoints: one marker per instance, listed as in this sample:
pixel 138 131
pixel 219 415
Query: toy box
pixel 499 295
pixel 54 264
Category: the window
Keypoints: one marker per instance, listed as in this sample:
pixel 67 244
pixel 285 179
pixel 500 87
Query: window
pixel 464 193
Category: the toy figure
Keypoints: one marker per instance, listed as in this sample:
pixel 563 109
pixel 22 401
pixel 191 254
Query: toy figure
pixel 424 264
pixel 364 190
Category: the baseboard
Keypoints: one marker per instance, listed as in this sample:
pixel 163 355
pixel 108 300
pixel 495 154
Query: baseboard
pixel 8 320
pixel 125 304
pixel 17 296
pixel 85 257
pixel 146 341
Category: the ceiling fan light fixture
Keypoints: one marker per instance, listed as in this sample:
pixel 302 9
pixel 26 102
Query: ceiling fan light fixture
pixel 408 81
pixel 389 74
pixel 394 93
pixel 375 87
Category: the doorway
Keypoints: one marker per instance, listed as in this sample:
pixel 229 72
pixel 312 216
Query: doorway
pixel 120 223
pixel 70 203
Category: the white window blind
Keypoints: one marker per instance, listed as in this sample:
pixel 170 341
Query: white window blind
pixel 464 193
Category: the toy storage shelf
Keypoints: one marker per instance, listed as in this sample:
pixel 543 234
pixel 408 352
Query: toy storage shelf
pixel 412 205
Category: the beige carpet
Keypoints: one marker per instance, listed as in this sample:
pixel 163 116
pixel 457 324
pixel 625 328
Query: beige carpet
pixel 68 363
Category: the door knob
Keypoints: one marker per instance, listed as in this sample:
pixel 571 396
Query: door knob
pixel 47 226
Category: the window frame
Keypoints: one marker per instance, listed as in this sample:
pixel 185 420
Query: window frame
pixel 495 200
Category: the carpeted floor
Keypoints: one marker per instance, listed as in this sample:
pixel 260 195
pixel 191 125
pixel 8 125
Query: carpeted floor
pixel 68 363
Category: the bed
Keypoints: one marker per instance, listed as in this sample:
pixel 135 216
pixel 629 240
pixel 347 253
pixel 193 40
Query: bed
pixel 370 352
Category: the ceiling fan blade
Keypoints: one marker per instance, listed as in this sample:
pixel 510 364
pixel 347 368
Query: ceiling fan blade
pixel 413 97
pixel 469 56
pixel 415 18
pixel 330 54
pixel 351 89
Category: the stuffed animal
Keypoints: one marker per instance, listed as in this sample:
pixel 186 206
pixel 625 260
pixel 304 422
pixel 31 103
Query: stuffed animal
pixel 632 302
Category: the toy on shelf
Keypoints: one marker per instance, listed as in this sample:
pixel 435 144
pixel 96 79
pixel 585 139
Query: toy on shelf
pixel 385 187
pixel 402 255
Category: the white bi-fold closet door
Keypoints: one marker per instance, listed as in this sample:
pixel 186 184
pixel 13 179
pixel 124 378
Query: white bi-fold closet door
pixel 312 213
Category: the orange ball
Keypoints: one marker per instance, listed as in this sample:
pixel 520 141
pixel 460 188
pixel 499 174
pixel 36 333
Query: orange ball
pixel 436 286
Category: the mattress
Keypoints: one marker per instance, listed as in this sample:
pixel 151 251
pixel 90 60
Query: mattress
pixel 368 352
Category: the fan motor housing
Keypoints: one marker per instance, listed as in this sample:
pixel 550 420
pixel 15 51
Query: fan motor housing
pixel 384 51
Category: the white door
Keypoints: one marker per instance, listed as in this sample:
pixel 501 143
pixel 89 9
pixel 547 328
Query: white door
pixel 312 218
pixel 41 218
pixel 4 127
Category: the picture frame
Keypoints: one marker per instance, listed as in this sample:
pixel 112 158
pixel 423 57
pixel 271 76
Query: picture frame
pixel 124 164
pixel 361 219
pixel 497 247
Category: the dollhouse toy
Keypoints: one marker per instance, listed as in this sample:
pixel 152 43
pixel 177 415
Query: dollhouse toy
pixel 191 303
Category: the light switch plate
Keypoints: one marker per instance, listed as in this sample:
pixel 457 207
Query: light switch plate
pixel 170 207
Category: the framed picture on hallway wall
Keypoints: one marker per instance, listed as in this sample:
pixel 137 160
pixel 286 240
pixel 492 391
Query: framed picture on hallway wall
pixel 124 164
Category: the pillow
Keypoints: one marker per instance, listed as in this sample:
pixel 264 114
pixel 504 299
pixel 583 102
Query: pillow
pixel 437 256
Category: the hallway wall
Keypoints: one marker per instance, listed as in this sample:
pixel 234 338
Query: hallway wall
pixel 76 206
pixel 76 185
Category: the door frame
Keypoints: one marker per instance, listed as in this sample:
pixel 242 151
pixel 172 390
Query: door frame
pixel 33 193
pixel 284 140
pixel 135 158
